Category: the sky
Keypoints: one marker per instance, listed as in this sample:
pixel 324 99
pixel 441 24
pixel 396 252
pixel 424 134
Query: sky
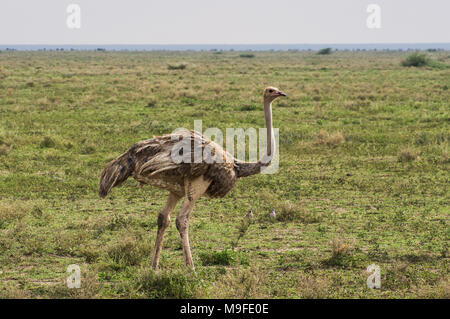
pixel 224 22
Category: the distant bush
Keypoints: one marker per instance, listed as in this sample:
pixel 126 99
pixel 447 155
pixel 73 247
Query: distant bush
pixel 247 55
pixel 324 51
pixel 181 66
pixel 416 59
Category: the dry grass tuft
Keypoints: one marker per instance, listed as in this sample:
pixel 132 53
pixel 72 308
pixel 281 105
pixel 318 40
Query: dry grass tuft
pixel 340 248
pixel 129 251
pixel 4 150
pixel 168 284
pixel 289 211
pixel 47 142
pixel 397 276
pixel 407 155
pixel 439 291
pixel 313 287
pixel 240 283
pixel 294 212
pixel 90 286
pixel 16 210
pixel 333 139
pixel 445 158
pixel 12 289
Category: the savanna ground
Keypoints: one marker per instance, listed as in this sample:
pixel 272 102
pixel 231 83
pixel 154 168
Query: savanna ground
pixel 363 177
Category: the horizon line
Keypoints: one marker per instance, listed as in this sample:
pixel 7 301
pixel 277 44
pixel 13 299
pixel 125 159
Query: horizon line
pixel 210 44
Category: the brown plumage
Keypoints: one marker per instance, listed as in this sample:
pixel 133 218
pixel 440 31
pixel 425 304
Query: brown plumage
pixel 151 162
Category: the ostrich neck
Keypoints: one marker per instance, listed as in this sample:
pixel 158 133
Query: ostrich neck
pixel 244 169
pixel 270 135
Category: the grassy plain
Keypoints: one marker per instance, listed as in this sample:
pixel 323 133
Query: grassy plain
pixel 363 178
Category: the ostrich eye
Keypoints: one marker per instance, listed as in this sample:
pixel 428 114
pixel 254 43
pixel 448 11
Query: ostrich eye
pixel 270 91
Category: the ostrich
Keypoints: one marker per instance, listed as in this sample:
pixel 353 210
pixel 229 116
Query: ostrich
pixel 150 162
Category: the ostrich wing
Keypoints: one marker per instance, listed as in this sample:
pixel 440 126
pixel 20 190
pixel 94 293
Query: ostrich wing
pixel 156 155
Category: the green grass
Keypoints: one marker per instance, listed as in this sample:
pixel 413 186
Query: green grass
pixel 363 175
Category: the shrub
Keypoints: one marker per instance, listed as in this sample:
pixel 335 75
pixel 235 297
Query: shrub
pixel 289 212
pixel 247 55
pixel 324 51
pixel 416 59
pixel 343 255
pixel 339 248
pixel 180 66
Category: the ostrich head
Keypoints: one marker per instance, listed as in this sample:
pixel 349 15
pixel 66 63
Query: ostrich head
pixel 271 93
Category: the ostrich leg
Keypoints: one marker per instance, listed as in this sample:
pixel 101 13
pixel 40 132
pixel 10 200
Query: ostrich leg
pixel 163 222
pixel 193 190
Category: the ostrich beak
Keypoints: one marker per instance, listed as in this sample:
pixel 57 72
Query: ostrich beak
pixel 281 93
